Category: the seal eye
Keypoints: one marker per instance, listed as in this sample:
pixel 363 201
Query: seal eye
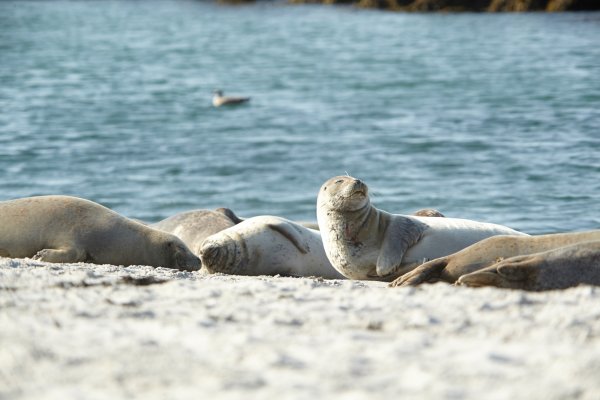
pixel 339 181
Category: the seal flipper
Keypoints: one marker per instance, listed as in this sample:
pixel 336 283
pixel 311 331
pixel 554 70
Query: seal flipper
pixel 291 233
pixel 515 273
pixel 63 255
pixel 428 212
pixel 400 235
pixel 229 214
pixel 430 271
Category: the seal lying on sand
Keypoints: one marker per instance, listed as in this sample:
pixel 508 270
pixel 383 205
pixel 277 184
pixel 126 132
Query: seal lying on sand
pixel 267 245
pixel 192 227
pixel 559 268
pixel 363 242
pixel 487 253
pixel 65 229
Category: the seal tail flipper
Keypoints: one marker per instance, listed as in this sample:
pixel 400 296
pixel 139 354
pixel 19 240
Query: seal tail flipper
pixel 430 271
pixel 428 212
pixel 291 233
pixel 229 214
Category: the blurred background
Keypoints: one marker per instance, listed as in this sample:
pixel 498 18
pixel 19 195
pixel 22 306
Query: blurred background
pixel 493 117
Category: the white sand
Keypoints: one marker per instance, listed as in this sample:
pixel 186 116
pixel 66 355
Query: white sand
pixel 79 331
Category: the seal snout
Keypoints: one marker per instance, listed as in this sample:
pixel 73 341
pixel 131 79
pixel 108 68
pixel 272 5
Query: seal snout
pixel 359 187
pixel 188 262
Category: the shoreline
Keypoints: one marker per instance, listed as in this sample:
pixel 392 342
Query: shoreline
pixel 83 330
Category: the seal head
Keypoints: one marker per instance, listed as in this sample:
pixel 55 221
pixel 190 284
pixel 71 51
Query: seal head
pixel 225 253
pixel 180 256
pixel 344 194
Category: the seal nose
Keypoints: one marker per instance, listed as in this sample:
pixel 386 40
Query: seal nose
pixel 359 186
pixel 189 262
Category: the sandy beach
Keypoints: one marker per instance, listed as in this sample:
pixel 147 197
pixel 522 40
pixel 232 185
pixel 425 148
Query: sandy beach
pixel 83 331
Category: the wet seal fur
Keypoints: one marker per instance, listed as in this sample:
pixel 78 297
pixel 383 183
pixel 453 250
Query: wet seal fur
pixel 267 245
pixel 192 227
pixel 539 262
pixel 64 229
pixel 363 242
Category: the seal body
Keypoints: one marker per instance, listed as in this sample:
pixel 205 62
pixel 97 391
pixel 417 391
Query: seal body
pixel 192 227
pixel 488 252
pixel 363 242
pixel 267 245
pixel 69 229
pixel 559 268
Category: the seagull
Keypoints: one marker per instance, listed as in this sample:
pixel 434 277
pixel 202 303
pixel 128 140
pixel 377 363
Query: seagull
pixel 220 100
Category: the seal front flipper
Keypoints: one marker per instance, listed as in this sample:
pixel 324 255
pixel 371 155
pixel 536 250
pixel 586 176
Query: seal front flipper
pixel 430 271
pixel 400 235
pixel 291 233
pixel 513 273
pixel 64 255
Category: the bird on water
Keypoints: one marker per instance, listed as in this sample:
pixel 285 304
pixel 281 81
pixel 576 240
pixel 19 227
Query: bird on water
pixel 220 100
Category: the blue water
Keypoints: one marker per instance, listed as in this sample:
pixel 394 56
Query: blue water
pixel 494 117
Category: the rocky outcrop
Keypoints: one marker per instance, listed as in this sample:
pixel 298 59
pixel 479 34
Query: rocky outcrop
pixel 468 5
pixel 517 5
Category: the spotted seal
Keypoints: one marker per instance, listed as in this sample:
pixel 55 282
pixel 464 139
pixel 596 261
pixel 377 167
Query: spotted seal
pixel 363 242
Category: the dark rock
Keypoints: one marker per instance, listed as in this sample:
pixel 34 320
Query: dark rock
pixel 517 5
pixel 466 5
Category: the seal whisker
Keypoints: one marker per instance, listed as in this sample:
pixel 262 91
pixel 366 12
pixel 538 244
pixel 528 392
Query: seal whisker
pixel 374 195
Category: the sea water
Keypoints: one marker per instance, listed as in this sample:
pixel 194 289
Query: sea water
pixel 493 117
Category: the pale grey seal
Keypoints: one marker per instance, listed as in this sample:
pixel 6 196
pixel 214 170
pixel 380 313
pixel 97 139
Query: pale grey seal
pixel 363 242
pixel 267 245
pixel 66 229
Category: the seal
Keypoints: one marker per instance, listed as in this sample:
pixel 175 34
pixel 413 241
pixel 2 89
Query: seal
pixel 428 212
pixel 267 245
pixel 192 227
pixel 560 268
pixel 220 100
pixel 64 229
pixel 363 242
pixel 487 253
